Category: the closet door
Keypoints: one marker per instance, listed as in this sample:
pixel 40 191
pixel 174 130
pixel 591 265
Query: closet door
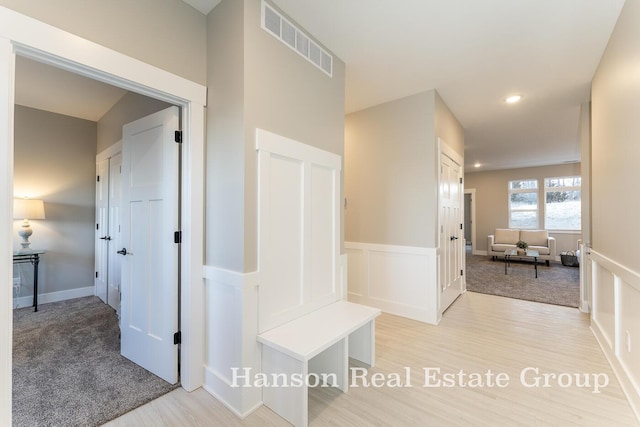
pixel 113 259
pixel 102 228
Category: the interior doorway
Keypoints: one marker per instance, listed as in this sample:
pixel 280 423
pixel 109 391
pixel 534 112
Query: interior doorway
pixel 20 35
pixel 470 219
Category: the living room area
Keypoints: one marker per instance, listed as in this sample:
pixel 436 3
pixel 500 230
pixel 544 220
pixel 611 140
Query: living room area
pixel 539 208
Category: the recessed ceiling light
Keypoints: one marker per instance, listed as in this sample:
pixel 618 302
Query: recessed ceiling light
pixel 513 99
pixel 477 165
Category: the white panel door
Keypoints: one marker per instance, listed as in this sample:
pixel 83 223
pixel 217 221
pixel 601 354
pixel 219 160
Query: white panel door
pixel 149 254
pixel 451 233
pixel 114 240
pixel 102 225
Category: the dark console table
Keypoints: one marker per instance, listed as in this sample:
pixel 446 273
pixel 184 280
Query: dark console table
pixel 32 257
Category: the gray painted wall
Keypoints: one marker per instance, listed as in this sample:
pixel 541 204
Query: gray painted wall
pixel 225 180
pixel 166 33
pixel 615 103
pixel 391 174
pixel 387 170
pixel 55 161
pixel 130 107
pixel 255 81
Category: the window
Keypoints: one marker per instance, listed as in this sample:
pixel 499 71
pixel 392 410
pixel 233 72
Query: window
pixel 562 210
pixel 523 203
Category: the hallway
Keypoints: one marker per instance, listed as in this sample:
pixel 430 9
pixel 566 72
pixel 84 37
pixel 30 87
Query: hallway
pixel 481 335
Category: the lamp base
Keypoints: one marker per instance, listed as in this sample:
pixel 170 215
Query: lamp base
pixel 25 232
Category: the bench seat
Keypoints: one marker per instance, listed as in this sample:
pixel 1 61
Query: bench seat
pixel 320 342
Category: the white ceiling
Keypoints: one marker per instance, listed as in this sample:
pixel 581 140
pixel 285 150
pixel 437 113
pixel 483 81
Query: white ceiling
pixel 473 52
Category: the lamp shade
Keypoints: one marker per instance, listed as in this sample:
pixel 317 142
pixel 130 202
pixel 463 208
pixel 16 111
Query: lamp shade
pixel 28 209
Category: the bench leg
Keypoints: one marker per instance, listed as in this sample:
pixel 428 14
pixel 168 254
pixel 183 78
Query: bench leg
pixel 334 364
pixel 362 344
pixel 291 403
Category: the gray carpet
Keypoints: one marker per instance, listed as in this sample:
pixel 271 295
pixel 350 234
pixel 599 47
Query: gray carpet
pixel 67 368
pixel 555 284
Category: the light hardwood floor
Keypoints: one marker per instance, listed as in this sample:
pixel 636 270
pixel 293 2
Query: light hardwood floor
pixel 478 333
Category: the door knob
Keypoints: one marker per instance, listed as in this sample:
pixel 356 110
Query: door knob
pixel 454 238
pixel 123 251
pixel 105 238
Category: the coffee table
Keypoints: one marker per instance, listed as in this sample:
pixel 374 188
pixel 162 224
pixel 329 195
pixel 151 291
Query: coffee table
pixel 528 254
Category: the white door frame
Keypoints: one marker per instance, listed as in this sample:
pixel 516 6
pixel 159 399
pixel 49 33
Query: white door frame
pixel 28 37
pixel 472 191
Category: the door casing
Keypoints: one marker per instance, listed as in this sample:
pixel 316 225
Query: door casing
pixel 472 231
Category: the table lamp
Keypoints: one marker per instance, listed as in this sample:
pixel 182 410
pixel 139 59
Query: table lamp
pixel 27 209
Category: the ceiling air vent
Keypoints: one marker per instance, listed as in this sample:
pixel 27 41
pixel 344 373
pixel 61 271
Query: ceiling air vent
pixel 278 26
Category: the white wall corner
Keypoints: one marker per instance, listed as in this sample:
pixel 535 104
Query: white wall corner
pixel 231 318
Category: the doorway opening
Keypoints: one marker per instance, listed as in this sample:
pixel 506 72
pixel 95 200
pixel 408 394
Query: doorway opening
pixel 20 35
pixel 470 219
pixel 55 146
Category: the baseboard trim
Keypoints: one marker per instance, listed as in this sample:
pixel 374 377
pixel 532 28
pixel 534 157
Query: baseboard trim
pixel 27 301
pixel 218 386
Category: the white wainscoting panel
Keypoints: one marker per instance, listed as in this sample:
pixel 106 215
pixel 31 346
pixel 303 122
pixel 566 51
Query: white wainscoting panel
pixel 604 301
pixel 231 326
pixel 299 229
pixel 615 321
pixel 397 279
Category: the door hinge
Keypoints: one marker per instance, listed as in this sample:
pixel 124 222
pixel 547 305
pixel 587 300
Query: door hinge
pixel 461 272
pixel 460 226
pixel 460 180
pixel 177 237
pixel 96 274
pixel 97 226
pixel 178 136
pixel 177 338
pixel 97 178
